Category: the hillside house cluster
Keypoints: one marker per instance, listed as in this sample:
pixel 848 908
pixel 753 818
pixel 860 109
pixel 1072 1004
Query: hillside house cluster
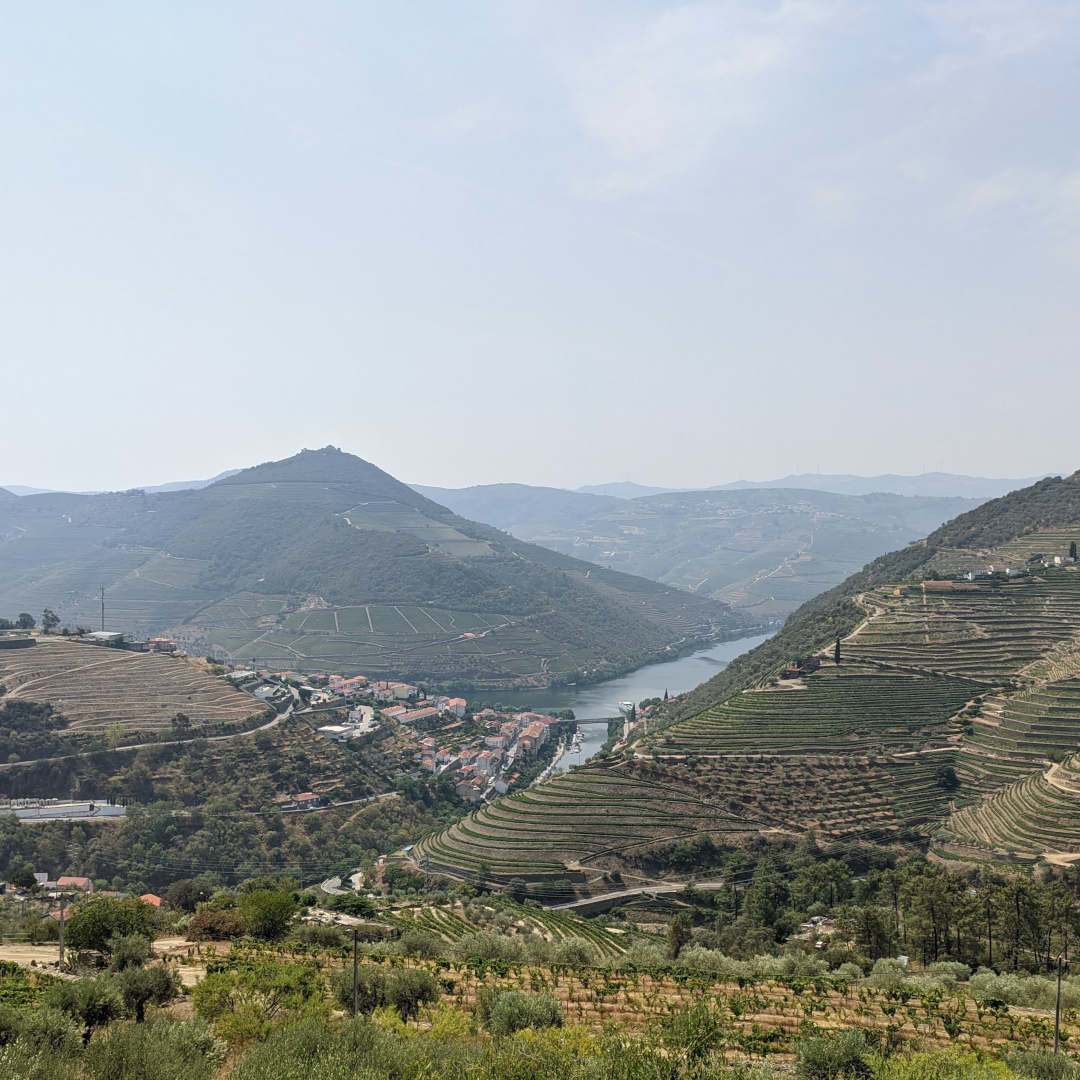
pixel 487 760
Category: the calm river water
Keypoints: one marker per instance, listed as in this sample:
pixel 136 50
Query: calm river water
pixel 602 699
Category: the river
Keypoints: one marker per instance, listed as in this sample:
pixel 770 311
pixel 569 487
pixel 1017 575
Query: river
pixel 602 699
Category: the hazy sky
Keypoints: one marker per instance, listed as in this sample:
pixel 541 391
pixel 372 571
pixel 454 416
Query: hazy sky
pixel 554 242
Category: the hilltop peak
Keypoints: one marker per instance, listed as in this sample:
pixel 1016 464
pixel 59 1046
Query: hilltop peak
pixel 328 465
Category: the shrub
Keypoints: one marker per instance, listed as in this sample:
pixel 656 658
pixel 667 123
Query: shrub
pixel 128 951
pixel 849 971
pixel 420 943
pixel 244 1001
pixel 942 1065
pixel 403 989
pixel 958 972
pixel 503 1012
pixel 210 924
pixel 407 989
pixel 695 1032
pixel 21 1060
pixel 142 986
pixel 46 1029
pixel 483 945
pixel 1042 1065
pixel 162 1050
pixel 573 952
pixel 319 934
pixel 832 1056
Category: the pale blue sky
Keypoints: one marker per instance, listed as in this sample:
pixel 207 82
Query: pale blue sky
pixel 540 241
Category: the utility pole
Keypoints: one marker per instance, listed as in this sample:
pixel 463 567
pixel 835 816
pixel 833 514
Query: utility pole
pixel 356 974
pixel 1057 1010
pixel 62 930
pixel 102 589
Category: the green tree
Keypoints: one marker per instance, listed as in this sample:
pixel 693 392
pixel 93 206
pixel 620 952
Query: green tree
pixel 49 621
pixel 99 920
pixel 91 1002
pixel 25 621
pixel 678 935
pixel 21 873
pixel 128 951
pixel 142 986
pixel 181 723
pixel 268 913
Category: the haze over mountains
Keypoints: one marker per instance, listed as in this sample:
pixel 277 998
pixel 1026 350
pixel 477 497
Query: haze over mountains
pixel 766 550
pixel 324 561
pixel 174 485
pixel 946 485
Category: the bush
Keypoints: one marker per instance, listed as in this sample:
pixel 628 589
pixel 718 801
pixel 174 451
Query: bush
pixel 90 1002
pixel 407 989
pixel 1042 1065
pixel 210 924
pixel 319 934
pixel 420 943
pixel 573 952
pixel 483 946
pixel 139 987
pixel 942 1065
pixel 951 969
pixel 162 1050
pixel 128 951
pixel 849 971
pixel 46 1029
pixel 503 1012
pixel 21 1060
pixel 833 1056
pixel 403 989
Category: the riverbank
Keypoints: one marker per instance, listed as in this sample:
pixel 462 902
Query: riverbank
pixel 601 700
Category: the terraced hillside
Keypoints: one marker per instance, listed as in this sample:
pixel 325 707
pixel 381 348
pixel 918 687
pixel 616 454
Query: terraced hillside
pixel 95 688
pixel 835 709
pixel 956 702
pixel 573 826
pixel 451 921
pixel 1015 735
pixel 1035 818
pixel 324 561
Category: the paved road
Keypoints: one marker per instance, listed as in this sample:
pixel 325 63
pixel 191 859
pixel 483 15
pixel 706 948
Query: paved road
pixel 612 898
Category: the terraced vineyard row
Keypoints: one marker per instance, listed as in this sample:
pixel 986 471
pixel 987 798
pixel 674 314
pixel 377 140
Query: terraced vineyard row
pixel 450 923
pixel 1018 735
pixel 548 831
pixel 978 630
pixel 837 711
pixel 1035 817
pixel 95 688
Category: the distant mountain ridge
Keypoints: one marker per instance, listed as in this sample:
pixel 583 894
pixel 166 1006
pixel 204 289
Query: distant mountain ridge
pixel 764 549
pixel 174 485
pixel 323 561
pixel 937 484
pixel 625 489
